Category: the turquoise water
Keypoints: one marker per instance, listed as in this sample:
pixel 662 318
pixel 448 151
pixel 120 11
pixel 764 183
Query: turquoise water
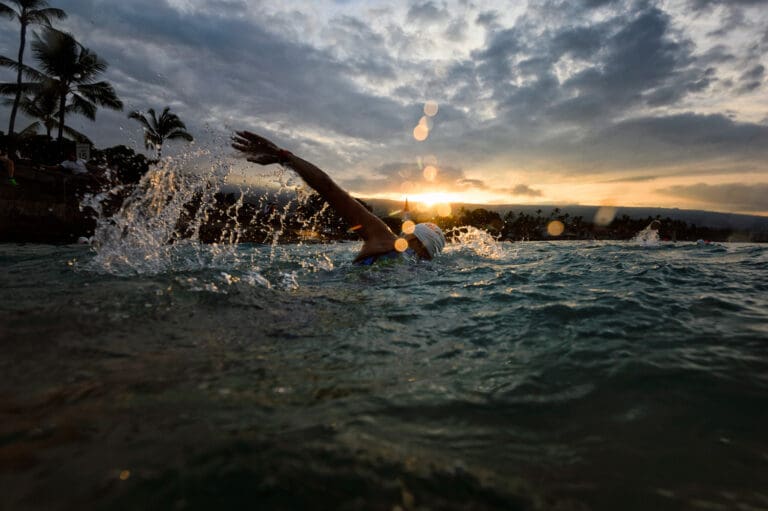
pixel 537 375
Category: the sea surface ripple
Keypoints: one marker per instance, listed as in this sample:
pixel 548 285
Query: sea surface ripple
pixel 534 375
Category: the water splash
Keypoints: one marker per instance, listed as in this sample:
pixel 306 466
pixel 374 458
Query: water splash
pixel 477 241
pixel 144 236
pixel 171 222
pixel 648 237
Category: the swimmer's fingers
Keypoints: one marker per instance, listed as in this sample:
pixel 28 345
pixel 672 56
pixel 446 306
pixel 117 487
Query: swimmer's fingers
pixel 253 142
pixel 258 149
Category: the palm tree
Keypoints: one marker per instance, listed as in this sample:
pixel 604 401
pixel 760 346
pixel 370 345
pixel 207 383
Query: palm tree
pixel 43 106
pixel 159 129
pixel 69 71
pixel 27 12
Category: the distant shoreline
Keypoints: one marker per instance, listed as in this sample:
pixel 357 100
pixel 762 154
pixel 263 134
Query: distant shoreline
pixel 45 208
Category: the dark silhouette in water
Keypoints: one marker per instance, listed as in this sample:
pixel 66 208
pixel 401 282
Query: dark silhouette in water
pixel 426 240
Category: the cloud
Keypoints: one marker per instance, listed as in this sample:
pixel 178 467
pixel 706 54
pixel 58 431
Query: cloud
pixel 526 190
pixel 594 86
pixel 487 19
pixel 642 58
pixel 708 4
pixel 730 196
pixel 427 12
pixel 401 177
pixel 752 79
pixel 477 184
pixel 684 138
pixel 457 30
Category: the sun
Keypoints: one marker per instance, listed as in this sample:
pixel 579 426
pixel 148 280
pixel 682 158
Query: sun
pixel 432 198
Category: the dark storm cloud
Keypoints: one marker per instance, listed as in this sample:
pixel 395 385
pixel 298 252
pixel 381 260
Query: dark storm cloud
pixel 641 57
pixel 580 42
pixel 684 138
pixel 633 58
pixel 227 68
pixel 732 196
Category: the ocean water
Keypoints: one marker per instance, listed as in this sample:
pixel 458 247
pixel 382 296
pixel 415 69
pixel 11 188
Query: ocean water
pixel 533 375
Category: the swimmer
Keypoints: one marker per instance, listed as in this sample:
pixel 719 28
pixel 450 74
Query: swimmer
pixel 426 241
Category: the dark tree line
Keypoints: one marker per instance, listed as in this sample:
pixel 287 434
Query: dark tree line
pixel 522 226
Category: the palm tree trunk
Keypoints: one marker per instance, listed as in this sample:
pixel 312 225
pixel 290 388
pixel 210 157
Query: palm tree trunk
pixel 17 99
pixel 62 106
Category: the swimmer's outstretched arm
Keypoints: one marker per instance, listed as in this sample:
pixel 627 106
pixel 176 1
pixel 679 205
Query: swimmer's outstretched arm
pixel 377 236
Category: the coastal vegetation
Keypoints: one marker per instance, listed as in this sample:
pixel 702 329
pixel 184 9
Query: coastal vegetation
pixel 69 74
pixel 158 129
pixel 26 12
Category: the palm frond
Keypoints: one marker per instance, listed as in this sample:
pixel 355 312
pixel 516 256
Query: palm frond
pixel 57 52
pixel 90 66
pixel 30 72
pixel 78 136
pixel 9 89
pixel 83 106
pixel 44 16
pixel 180 134
pixel 30 130
pixel 6 11
pixel 138 116
pixel 101 93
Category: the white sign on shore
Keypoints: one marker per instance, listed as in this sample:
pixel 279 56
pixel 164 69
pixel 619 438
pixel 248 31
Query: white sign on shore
pixel 83 151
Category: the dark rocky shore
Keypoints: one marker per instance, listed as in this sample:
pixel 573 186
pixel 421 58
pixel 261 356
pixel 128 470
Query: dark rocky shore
pixel 44 207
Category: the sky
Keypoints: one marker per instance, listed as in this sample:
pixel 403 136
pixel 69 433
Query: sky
pixel 594 102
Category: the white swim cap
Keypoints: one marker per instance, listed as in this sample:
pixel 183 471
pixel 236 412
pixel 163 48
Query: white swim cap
pixel 431 237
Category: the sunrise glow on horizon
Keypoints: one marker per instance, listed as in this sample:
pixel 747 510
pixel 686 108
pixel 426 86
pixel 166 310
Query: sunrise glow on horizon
pixel 657 103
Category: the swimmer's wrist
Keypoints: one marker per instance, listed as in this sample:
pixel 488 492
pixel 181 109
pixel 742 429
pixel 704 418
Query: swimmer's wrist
pixel 284 156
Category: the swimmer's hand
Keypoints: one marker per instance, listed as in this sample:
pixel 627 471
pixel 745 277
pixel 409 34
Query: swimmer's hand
pixel 258 149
